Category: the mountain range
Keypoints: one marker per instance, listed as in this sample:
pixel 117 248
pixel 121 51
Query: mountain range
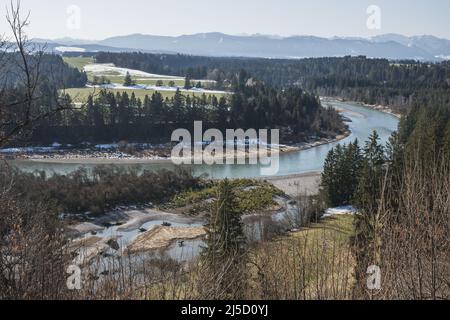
pixel 389 46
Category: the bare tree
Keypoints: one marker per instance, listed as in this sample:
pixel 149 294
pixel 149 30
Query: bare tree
pixel 21 60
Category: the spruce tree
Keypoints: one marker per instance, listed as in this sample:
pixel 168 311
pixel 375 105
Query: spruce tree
pixel 224 255
pixel 372 172
pixel 329 178
pixel 340 175
pixel 128 81
pixel 90 110
pixel 225 230
pixel 187 82
pixel 367 199
pixel 222 113
pixel 351 163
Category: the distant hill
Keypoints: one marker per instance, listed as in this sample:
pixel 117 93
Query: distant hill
pixel 435 46
pixel 390 46
pixel 71 46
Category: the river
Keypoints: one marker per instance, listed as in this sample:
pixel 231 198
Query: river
pixel 364 121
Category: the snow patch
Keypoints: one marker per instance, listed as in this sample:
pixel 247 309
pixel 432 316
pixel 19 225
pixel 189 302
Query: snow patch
pixel 155 88
pixel 107 146
pixel 27 150
pixel 105 68
pixel 443 57
pixel 70 49
pixel 338 211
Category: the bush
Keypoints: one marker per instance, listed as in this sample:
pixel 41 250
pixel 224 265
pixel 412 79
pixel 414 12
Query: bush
pixel 101 189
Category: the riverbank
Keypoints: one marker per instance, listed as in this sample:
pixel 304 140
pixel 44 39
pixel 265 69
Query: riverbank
pixel 362 121
pixel 381 108
pixel 146 153
pixel 133 231
pixel 160 154
pixel 129 231
pixel 296 185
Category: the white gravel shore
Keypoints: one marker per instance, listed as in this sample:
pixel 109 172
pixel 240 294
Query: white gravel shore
pixel 297 184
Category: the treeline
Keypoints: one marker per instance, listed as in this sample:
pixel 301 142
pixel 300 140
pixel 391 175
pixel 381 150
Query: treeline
pixel 168 64
pixel 423 138
pixel 30 90
pixel 402 192
pixel 51 69
pixel 373 81
pixel 98 190
pixel 112 117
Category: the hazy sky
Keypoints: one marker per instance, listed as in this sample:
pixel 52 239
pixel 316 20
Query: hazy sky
pixel 104 18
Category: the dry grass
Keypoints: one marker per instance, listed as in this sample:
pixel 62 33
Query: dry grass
pixel 315 263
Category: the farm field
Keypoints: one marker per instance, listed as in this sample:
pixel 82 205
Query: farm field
pixel 116 75
pixel 318 259
pixel 78 62
pixel 145 83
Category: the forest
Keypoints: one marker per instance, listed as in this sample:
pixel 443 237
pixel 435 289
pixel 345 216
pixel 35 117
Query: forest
pixel 397 84
pixel 401 191
pixel 28 97
pixel 110 117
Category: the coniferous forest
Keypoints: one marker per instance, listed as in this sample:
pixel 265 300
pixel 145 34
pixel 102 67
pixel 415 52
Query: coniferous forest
pixel 398 84
pixel 110 117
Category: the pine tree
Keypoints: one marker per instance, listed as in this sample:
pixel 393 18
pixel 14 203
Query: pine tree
pixel 222 113
pixel 372 173
pixel 225 230
pixel 328 178
pixel 352 163
pixel 147 109
pixel 112 103
pixel 128 81
pixel 90 110
pixel 340 175
pixel 187 82
pixel 156 107
pixel 224 256
pixel 367 199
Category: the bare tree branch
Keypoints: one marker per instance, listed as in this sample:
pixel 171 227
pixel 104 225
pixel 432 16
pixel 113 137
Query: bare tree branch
pixel 19 101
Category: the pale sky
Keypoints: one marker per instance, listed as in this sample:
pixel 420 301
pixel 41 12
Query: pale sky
pixel 100 19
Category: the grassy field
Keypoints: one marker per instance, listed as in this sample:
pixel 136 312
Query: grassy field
pixel 251 196
pixel 338 229
pixel 115 77
pixel 80 95
pixel 314 263
pixel 151 81
pixel 78 62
